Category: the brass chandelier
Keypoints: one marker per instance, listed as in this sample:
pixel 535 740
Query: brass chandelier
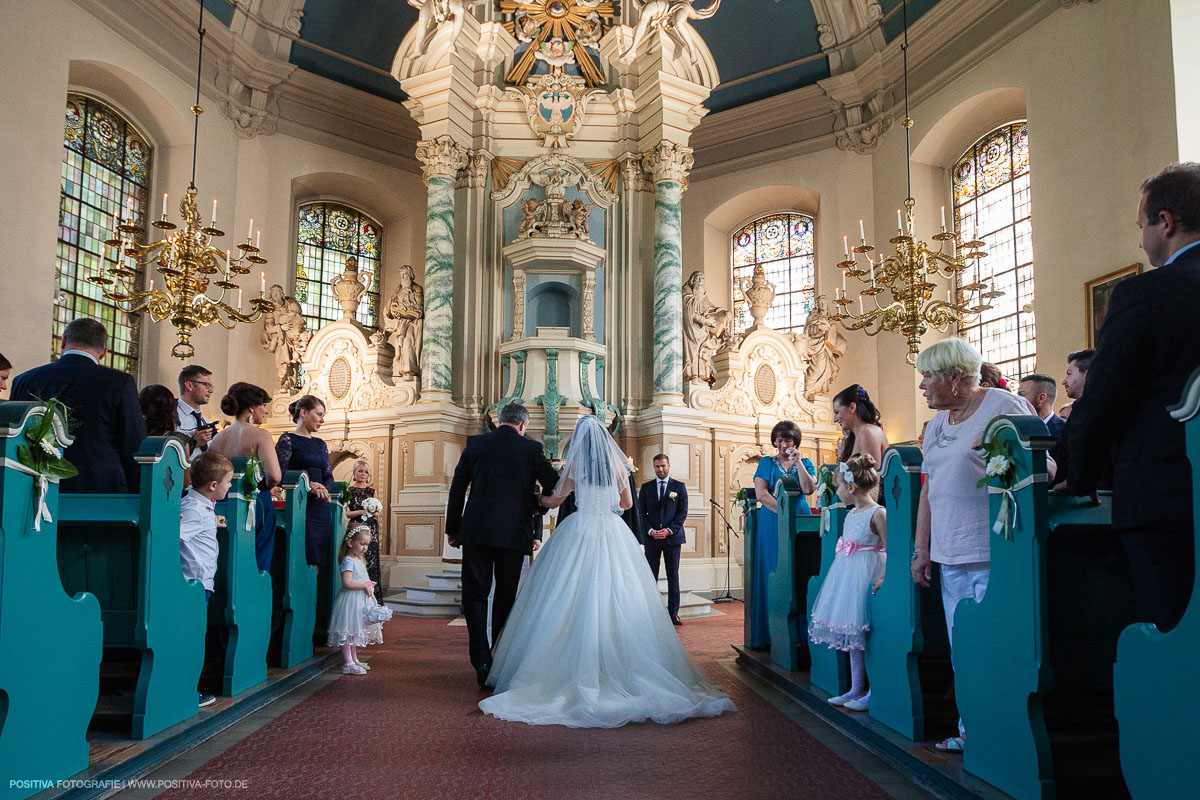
pixel 186 259
pixel 907 273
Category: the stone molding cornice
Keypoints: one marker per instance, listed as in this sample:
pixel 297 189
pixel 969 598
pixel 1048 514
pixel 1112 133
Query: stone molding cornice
pixel 257 91
pixel 945 42
pixel 441 157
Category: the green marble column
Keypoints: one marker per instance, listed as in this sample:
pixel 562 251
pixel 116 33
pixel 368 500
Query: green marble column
pixel 442 159
pixel 668 297
pixel 668 165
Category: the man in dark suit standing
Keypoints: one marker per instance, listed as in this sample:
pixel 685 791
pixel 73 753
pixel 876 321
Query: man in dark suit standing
pixel 664 505
pixel 495 530
pixel 106 418
pixel 1040 390
pixel 1147 349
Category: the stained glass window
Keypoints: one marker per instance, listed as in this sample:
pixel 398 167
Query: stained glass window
pixel 991 202
pixel 783 244
pixel 105 171
pixel 329 234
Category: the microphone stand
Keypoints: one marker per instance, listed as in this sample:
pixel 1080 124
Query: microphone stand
pixel 728 596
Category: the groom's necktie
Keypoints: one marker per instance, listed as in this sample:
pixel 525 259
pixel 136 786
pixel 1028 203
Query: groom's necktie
pixel 662 489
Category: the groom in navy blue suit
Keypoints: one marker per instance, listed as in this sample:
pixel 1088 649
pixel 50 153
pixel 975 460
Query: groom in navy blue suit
pixel 664 507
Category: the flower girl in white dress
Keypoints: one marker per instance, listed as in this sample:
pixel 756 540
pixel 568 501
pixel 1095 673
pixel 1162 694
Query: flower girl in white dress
pixel 841 615
pixel 589 643
pixel 348 627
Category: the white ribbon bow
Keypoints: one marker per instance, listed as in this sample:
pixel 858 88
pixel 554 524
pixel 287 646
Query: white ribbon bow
pixel 250 501
pixel 824 520
pixel 42 511
pixel 1007 520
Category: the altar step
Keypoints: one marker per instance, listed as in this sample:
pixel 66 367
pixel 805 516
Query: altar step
pixel 442 597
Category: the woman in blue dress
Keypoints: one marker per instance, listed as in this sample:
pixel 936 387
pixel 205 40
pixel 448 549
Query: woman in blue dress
pixel 300 449
pixel 785 436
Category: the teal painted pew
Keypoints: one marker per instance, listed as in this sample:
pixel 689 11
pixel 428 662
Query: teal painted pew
pixel 48 684
pixel 125 550
pixel 293 579
pixel 830 669
pixel 787 587
pixel 1033 659
pixel 749 520
pixel 908 629
pixel 241 601
pixel 1160 741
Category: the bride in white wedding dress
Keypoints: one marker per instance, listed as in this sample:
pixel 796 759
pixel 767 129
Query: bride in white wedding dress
pixel 589 643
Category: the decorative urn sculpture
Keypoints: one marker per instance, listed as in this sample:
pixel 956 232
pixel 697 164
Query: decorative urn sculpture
pixel 760 293
pixel 348 288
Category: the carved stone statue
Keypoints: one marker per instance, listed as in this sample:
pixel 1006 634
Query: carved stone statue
pixel 760 293
pixel 705 330
pixel 579 214
pixel 348 288
pixel 530 209
pixel 825 346
pixel 671 17
pixel 404 322
pixel 433 14
pixel 286 334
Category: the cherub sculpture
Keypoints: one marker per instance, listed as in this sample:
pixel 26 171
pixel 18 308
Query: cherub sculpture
pixel 530 209
pixel 579 216
pixel 671 17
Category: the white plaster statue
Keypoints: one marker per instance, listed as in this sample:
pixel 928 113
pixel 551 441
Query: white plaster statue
pixel 286 334
pixel 671 17
pixel 436 13
pixel 825 346
pixel 404 322
pixel 705 330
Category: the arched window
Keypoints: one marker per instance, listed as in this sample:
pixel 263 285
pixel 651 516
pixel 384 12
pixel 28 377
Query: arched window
pixel 991 202
pixel 783 244
pixel 329 234
pixel 105 172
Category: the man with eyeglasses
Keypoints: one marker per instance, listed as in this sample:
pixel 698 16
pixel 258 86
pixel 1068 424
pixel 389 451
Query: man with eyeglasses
pixel 195 389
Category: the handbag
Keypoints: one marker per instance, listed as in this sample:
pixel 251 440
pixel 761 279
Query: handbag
pixel 376 615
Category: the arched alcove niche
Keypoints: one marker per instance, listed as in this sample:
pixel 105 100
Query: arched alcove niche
pixel 963 125
pixel 735 212
pixel 394 213
pixel 553 304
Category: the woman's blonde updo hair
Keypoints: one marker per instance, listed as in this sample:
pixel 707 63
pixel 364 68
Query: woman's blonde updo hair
pixel 944 357
pixel 862 468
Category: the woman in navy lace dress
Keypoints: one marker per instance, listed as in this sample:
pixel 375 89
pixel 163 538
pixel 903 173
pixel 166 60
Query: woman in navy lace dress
pixel 300 449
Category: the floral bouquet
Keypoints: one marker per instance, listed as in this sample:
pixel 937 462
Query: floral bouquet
pixel 745 500
pixel 251 479
pixel 43 458
pixel 372 506
pixel 826 493
pixel 999 463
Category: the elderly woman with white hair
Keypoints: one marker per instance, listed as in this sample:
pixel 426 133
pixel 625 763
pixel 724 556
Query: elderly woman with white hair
pixel 952 520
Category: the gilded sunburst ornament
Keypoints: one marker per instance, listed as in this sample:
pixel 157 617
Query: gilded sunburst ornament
pixel 560 31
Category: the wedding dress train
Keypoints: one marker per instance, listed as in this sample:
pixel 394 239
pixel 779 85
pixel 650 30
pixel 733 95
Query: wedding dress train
pixel 589 643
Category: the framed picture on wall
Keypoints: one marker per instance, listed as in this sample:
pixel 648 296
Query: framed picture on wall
pixel 1096 294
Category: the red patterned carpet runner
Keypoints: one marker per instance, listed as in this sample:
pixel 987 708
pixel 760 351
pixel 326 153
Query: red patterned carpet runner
pixel 411 729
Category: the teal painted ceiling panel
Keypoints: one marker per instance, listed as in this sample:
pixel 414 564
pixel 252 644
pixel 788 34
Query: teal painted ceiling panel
pixel 221 9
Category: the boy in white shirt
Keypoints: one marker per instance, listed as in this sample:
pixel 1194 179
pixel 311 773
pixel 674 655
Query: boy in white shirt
pixel 212 475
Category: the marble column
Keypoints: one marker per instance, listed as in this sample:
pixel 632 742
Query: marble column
pixel 668 166
pixel 441 159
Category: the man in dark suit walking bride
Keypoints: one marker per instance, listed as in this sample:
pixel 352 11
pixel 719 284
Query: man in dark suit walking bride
pixel 495 530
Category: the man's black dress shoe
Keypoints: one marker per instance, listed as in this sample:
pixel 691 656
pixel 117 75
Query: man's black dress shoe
pixel 481 674
pixel 675 620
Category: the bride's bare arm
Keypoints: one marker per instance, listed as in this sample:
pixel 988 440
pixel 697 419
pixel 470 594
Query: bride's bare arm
pixel 561 491
pixel 626 498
